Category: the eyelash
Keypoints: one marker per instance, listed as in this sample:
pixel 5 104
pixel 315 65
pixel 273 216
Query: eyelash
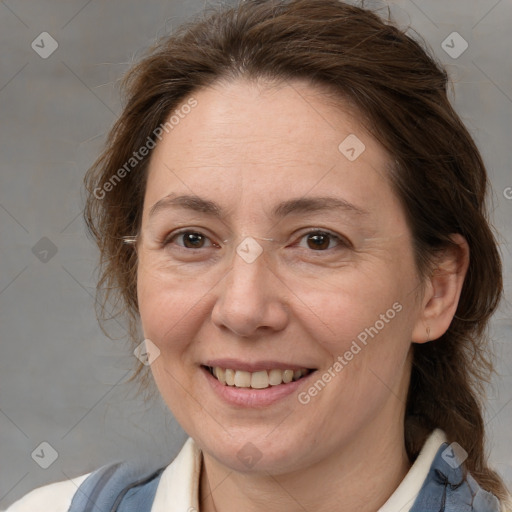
pixel 341 241
pixel 169 238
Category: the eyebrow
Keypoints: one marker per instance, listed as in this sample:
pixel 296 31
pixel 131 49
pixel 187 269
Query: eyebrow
pixel 292 206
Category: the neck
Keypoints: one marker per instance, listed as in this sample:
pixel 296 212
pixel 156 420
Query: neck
pixel 361 476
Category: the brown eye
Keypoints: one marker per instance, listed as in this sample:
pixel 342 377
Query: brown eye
pixel 322 241
pixel 318 241
pixel 192 240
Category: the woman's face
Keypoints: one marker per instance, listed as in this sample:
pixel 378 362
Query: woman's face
pixel 296 255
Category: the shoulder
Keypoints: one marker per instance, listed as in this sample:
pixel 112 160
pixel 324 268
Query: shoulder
pixel 127 479
pixel 54 497
pixel 449 486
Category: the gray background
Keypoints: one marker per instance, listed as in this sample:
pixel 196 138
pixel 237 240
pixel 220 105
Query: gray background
pixel 61 380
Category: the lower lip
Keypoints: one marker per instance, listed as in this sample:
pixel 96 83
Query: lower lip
pixel 249 397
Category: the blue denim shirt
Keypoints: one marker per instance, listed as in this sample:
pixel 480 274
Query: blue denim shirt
pixel 450 487
pixel 121 487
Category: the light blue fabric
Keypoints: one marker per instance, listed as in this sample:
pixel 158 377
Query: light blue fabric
pixel 126 487
pixel 119 487
pixel 450 488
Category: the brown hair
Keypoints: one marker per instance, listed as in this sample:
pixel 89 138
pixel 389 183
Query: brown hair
pixel 437 173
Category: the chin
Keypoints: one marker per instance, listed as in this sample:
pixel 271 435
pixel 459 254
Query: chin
pixel 250 452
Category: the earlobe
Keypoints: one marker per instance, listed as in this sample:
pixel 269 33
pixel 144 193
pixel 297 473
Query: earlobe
pixel 443 291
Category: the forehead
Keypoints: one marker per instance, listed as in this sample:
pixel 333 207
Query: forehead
pixel 243 115
pixel 245 138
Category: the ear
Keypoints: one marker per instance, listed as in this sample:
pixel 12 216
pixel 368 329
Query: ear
pixel 442 291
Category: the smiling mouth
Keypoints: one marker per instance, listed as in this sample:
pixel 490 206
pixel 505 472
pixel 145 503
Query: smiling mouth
pixel 256 380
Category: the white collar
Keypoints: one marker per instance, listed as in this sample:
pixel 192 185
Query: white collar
pixel 403 498
pixel 178 489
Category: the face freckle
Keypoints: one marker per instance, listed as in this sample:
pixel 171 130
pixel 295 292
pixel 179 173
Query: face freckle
pixel 263 166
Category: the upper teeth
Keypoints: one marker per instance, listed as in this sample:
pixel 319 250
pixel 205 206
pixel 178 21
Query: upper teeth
pixel 258 380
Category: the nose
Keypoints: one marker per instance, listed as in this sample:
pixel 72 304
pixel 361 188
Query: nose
pixel 251 300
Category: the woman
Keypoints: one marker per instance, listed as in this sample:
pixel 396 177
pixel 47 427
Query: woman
pixel 294 216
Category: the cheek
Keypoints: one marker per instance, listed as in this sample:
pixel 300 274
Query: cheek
pixel 167 311
pixel 364 326
pixel 339 313
pixel 366 348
